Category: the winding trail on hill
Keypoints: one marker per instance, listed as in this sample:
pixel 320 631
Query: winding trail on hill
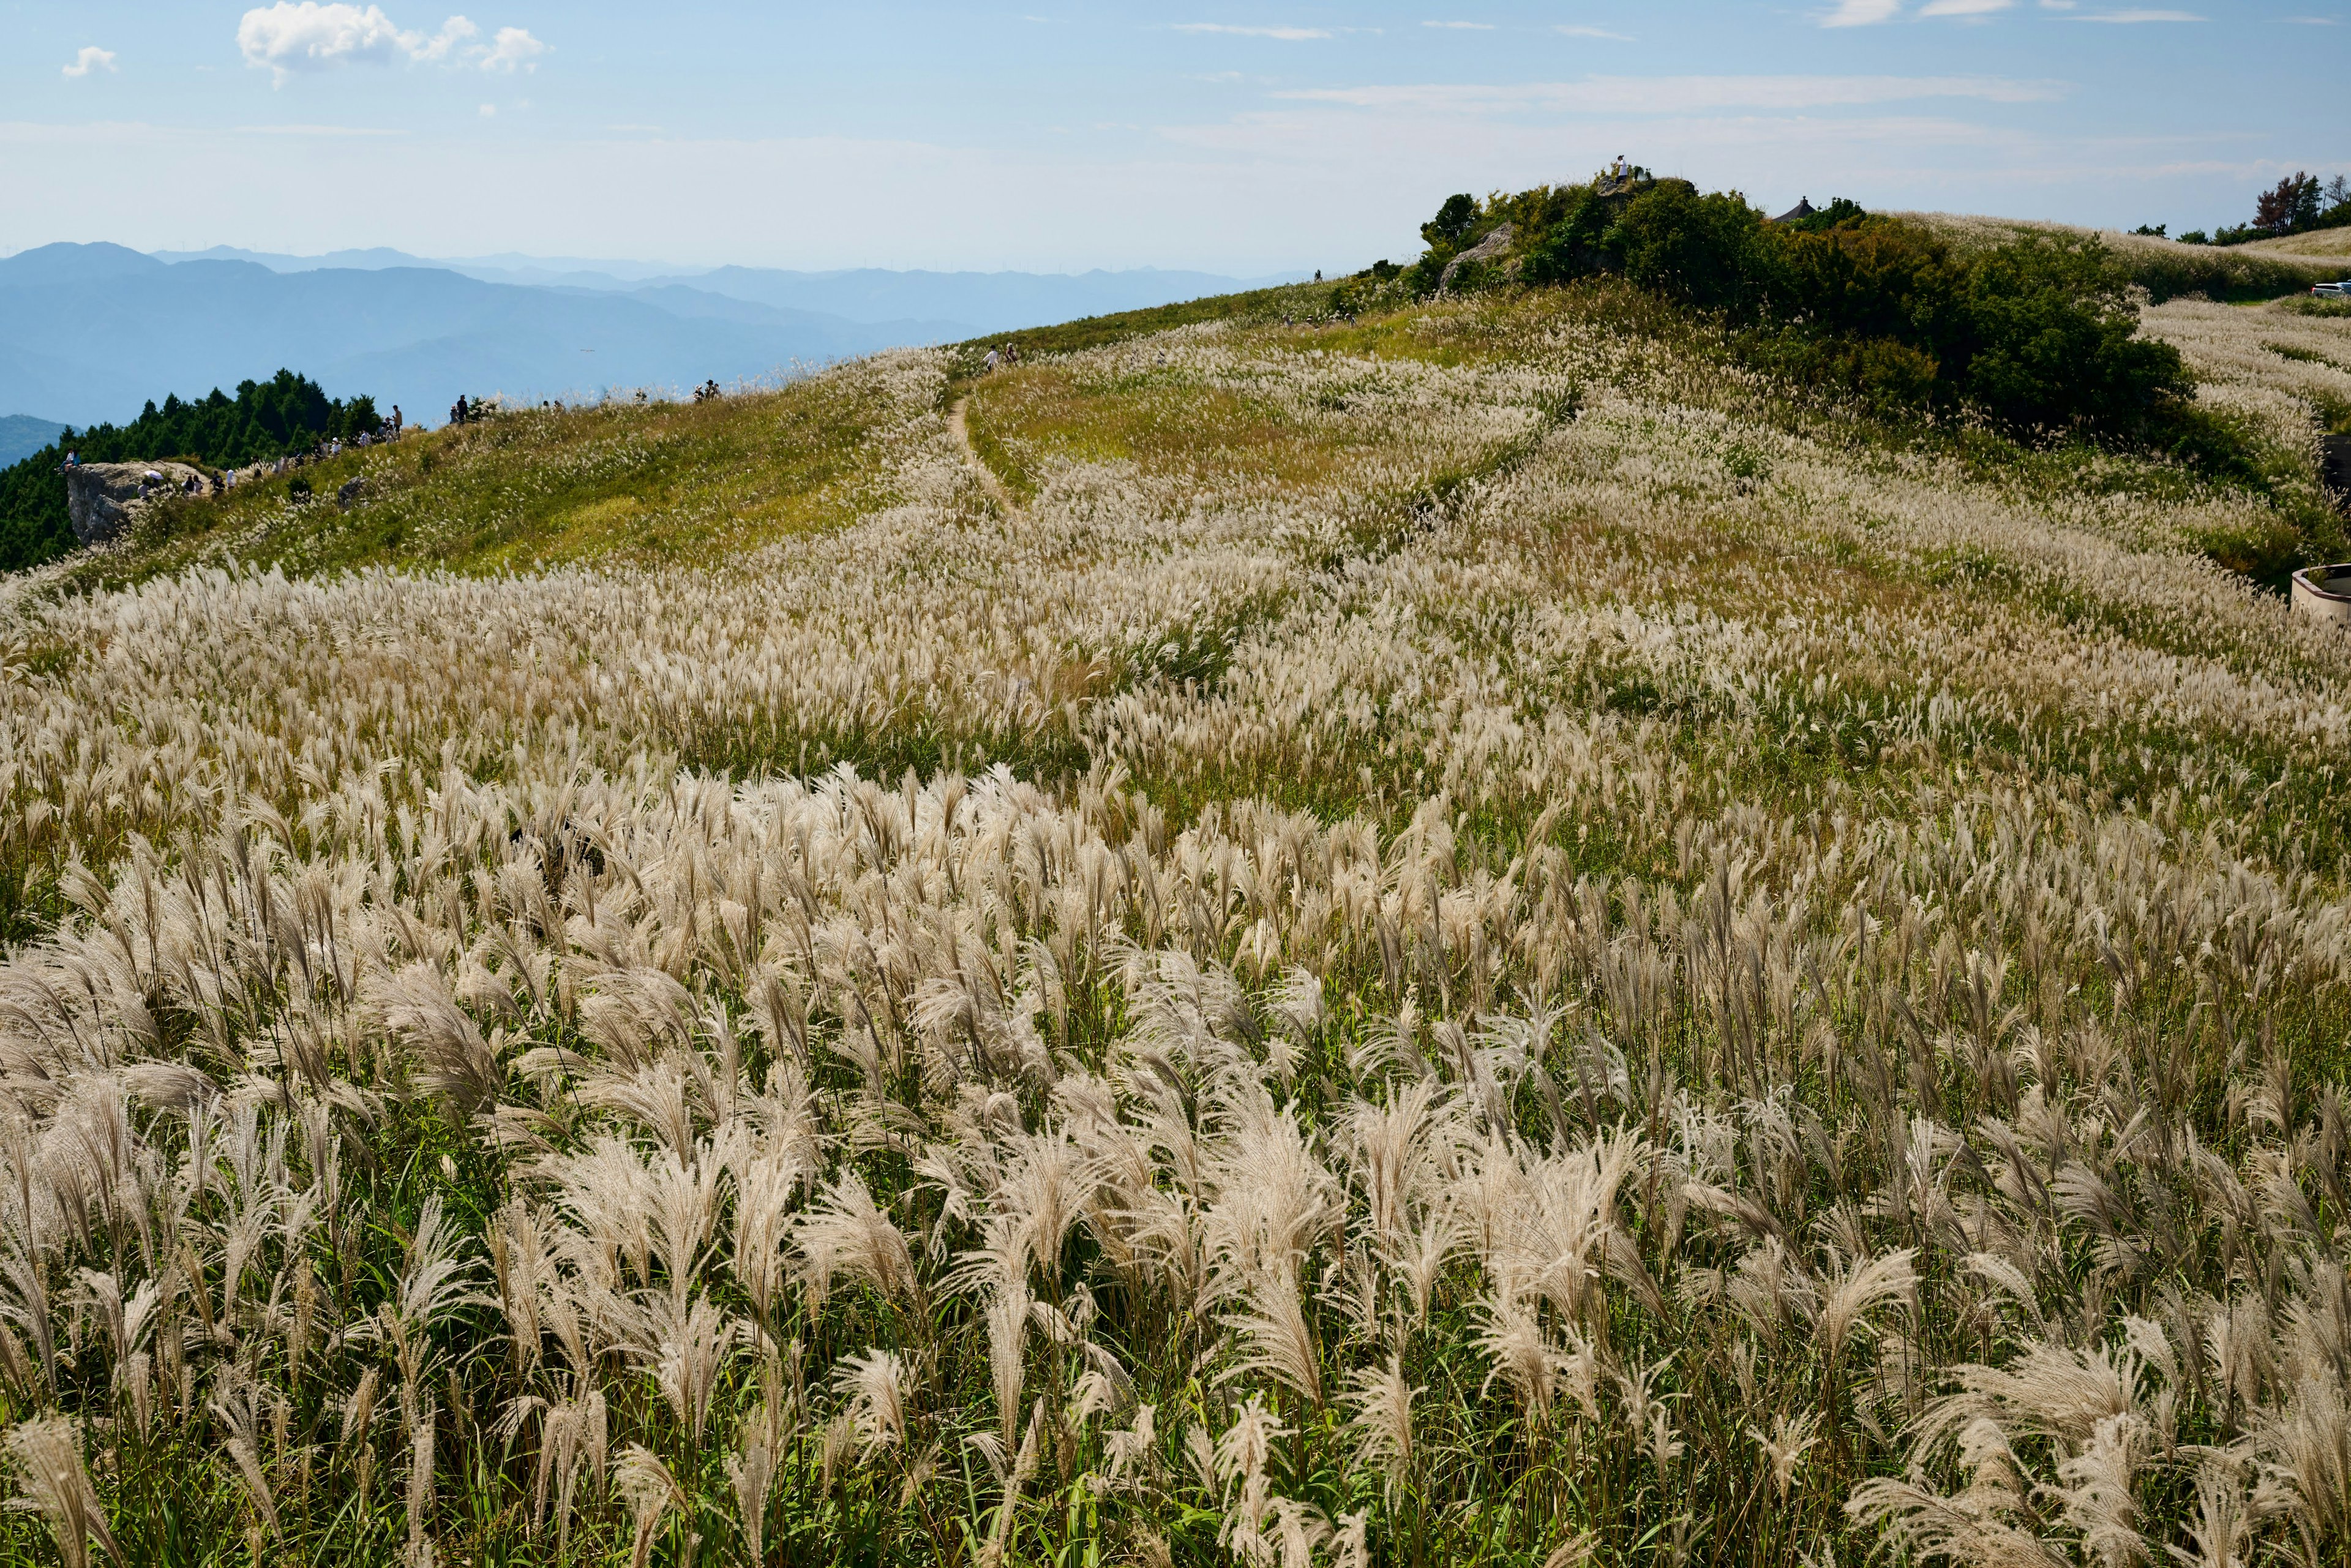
pixel 961 430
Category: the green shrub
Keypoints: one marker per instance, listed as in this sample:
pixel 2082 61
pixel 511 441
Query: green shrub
pixel 2039 330
pixel 1867 278
pixel 1452 221
pixel 1706 249
pixel 2045 334
pixel 1890 377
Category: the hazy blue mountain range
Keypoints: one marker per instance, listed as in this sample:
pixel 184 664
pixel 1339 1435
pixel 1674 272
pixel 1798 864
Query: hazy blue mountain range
pixel 89 333
pixel 991 301
pixel 21 435
pixel 988 301
pixel 505 269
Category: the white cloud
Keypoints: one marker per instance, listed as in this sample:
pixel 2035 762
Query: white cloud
pixel 1463 27
pixel 1289 35
pixel 91 58
pixel 2128 18
pixel 304 36
pixel 453 32
pixel 1965 9
pixel 1585 30
pixel 514 47
pixel 1861 13
pixel 1679 95
pixel 489 111
pixel 290 37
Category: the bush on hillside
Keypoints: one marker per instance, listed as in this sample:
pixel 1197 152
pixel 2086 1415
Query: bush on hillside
pixel 2043 333
pixel 2038 330
pixel 266 420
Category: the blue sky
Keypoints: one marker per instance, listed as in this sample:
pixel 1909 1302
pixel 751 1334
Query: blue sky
pixel 1241 136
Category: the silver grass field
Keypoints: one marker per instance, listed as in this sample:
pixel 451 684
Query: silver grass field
pixel 1613 971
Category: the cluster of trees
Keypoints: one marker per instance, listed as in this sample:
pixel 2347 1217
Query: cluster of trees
pixel 2297 204
pixel 2039 331
pixel 264 420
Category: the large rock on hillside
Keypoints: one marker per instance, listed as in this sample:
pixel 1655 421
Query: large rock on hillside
pixel 102 498
pixel 1486 249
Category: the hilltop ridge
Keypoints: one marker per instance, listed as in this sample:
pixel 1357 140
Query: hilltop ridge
pixel 1327 923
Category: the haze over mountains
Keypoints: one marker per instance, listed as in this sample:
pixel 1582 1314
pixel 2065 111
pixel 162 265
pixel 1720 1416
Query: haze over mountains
pixel 21 435
pixel 89 333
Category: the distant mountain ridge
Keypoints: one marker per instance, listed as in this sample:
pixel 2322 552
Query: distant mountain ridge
pixel 21 435
pixel 90 333
pixel 988 301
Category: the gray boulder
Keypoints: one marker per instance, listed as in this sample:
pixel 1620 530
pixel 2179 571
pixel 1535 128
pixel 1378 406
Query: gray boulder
pixel 1486 249
pixel 102 498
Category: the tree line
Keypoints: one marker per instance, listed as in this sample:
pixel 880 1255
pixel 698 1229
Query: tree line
pixel 2299 203
pixel 265 420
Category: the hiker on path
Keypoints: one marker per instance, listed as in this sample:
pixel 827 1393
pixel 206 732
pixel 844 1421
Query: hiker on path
pixel 395 422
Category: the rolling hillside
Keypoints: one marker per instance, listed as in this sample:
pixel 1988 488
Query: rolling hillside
pixel 2323 243
pixel 1476 931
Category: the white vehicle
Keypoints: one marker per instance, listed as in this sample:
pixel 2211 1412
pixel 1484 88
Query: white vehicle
pixel 2333 291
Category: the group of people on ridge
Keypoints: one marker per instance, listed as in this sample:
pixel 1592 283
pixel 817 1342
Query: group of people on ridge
pixel 219 480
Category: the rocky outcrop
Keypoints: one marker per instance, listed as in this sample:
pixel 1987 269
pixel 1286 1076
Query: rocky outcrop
pixel 1486 249
pixel 102 498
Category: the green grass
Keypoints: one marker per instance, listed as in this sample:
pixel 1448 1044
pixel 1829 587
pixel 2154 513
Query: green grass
pixel 623 483
pixel 1252 307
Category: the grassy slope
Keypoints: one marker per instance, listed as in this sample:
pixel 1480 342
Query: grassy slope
pixel 666 483
pixel 2164 267
pixel 669 481
pixel 682 482
pixel 1770 639
pixel 2324 243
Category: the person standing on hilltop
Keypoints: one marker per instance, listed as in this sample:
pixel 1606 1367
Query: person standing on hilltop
pixel 396 422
